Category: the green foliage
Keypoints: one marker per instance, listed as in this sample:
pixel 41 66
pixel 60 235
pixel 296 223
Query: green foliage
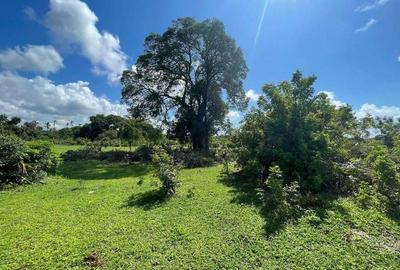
pixel 185 70
pixel 22 163
pixel 386 177
pixel 167 171
pixel 87 153
pixel 367 196
pixel 130 134
pixel 302 133
pixel 193 159
pixel 282 201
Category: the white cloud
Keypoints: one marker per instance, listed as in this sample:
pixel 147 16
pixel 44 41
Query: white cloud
pixel 372 5
pixel 72 23
pixel 367 109
pixel 42 100
pixel 33 58
pixel 376 111
pixel 331 96
pixel 398 58
pixel 367 26
pixel 252 95
pixel 233 115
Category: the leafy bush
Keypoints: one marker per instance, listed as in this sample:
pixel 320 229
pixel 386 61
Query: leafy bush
pixel 166 171
pixel 22 163
pixel 87 153
pixel 282 201
pixel 93 152
pixel 40 153
pixel 116 156
pixel 143 153
pixel 193 159
pixel 386 178
pixel 301 132
pixel 367 196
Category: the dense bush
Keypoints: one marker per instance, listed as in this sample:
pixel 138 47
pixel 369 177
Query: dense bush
pixel 143 153
pixel 302 133
pixel 87 153
pixel 192 159
pixel 166 171
pixel 116 156
pixel 282 201
pixel 93 152
pixel 22 162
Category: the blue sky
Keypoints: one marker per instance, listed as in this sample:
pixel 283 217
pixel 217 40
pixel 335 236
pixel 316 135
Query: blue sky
pixel 57 54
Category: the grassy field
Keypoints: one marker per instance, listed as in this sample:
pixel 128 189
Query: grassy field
pixel 97 208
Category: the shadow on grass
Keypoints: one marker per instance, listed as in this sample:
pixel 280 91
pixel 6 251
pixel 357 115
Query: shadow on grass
pixel 95 170
pixel 147 200
pixel 245 192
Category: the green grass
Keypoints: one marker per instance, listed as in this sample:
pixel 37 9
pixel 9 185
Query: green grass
pixel 95 207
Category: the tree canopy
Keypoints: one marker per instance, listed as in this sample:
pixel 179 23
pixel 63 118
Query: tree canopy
pixel 182 75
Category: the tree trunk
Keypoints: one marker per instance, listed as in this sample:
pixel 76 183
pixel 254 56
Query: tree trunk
pixel 200 138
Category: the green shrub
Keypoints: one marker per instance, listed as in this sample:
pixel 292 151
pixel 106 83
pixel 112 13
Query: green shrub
pixel 282 201
pixel 298 130
pixel 166 171
pixel 116 156
pixel 367 196
pixel 143 153
pixel 193 159
pixel 22 163
pixel 87 153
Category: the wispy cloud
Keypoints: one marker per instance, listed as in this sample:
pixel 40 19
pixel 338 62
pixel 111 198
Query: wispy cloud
pixel 332 98
pixel 398 58
pixel 260 23
pixel 378 111
pixel 372 5
pixel 252 95
pixel 367 26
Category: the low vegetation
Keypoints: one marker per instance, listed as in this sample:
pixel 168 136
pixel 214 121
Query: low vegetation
pixel 23 163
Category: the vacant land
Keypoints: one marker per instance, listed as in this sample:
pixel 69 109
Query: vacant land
pixel 111 216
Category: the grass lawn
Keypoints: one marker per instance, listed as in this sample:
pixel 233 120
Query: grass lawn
pixel 97 208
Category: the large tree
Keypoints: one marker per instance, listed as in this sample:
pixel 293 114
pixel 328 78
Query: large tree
pixel 182 76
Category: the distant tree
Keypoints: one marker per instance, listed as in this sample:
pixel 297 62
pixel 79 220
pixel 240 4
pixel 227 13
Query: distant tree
pixel 184 72
pixel 130 134
pixel 99 124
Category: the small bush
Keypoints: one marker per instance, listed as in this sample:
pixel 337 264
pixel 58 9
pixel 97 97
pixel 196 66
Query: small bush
pixel 22 163
pixel 166 171
pixel 283 201
pixel 193 159
pixel 116 156
pixel 88 153
pixel 143 153
pixel 367 196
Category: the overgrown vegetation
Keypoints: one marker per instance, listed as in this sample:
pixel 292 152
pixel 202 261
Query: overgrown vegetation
pixel 22 163
pixel 307 148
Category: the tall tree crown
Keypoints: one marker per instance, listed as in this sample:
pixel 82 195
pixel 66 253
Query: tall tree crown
pixel 184 72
